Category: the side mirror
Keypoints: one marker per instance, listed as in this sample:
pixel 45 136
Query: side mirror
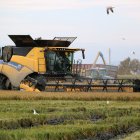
pixel 83 54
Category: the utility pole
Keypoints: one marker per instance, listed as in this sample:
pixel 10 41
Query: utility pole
pixel 109 56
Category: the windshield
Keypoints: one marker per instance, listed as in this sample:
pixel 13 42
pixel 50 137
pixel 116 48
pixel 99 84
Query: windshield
pixel 96 73
pixel 102 72
pixel 60 61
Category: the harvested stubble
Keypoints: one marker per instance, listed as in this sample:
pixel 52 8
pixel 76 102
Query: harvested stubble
pixel 87 96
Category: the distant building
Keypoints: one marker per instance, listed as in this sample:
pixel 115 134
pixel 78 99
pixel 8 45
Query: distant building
pixel 111 69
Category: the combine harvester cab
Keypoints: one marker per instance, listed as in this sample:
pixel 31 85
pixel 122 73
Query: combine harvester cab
pixel 31 63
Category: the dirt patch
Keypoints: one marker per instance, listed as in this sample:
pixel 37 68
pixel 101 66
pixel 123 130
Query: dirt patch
pixel 55 121
pixel 97 117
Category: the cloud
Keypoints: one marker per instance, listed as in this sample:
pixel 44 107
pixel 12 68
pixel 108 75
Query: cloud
pixel 61 4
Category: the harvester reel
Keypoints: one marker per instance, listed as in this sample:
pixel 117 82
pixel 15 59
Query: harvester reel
pixel 7 53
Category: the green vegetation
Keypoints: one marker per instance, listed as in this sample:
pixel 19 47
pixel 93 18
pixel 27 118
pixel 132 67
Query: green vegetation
pixel 128 76
pixel 133 136
pixel 64 118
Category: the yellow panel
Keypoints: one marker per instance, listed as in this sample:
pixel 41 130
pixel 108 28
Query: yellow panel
pixel 41 61
pixel 28 88
pixel 28 62
pixel 36 53
pixel 34 60
pixel 41 68
pixel 14 75
pixel 1 65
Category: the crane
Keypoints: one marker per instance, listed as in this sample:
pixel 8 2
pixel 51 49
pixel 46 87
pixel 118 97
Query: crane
pixel 101 55
pixel 98 72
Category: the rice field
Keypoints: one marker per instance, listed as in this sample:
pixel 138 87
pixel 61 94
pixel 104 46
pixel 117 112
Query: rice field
pixel 85 96
pixel 133 136
pixel 69 116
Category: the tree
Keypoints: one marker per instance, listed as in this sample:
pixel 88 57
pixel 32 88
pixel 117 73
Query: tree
pixel 134 65
pixel 129 66
pixel 124 67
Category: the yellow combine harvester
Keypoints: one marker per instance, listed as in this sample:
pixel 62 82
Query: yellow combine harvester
pixel 30 63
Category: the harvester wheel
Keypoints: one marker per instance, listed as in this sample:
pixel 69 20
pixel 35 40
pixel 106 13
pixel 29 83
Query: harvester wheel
pixel 4 82
pixel 40 87
pixel 7 53
pixel 41 83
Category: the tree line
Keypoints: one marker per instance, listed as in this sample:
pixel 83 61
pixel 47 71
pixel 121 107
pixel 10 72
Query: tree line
pixel 128 66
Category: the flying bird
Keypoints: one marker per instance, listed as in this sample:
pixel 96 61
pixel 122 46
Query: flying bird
pixel 34 112
pixel 133 52
pixel 109 9
pixel 123 38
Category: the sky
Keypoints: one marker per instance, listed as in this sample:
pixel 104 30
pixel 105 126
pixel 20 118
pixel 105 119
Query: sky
pixel 85 19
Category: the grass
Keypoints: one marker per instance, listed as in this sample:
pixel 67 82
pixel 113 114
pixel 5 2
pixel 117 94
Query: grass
pixel 128 76
pixel 68 116
pixel 133 136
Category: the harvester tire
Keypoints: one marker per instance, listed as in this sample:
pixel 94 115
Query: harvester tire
pixel 41 83
pixel 4 82
pixel 7 53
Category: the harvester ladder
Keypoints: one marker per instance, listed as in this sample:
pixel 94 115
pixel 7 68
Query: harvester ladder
pixel 41 65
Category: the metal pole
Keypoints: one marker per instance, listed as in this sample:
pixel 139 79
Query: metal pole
pixel 109 56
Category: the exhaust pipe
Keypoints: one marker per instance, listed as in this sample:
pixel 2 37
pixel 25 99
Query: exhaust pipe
pixel 83 54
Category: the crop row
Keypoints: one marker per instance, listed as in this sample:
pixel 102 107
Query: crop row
pixel 87 96
pixel 67 119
